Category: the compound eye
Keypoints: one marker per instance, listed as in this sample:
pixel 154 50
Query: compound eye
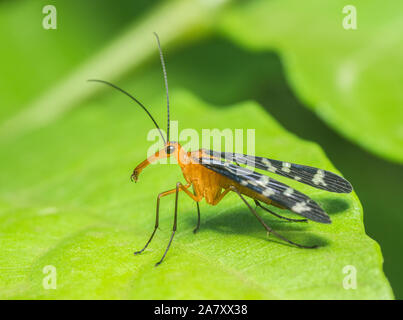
pixel 170 149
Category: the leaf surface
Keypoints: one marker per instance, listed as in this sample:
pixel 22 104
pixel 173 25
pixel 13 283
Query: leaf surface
pixel 71 205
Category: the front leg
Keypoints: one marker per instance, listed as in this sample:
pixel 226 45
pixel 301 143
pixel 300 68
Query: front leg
pixel 162 194
pixel 179 187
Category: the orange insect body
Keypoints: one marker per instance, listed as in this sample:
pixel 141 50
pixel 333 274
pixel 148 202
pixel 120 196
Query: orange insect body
pixel 206 183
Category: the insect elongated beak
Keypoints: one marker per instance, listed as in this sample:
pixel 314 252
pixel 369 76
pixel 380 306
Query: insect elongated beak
pixel 155 157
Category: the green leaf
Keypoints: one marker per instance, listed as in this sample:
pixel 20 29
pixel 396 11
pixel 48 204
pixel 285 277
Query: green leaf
pixel 71 205
pixel 350 78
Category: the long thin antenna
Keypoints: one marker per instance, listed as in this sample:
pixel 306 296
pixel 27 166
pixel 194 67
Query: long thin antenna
pixel 165 79
pixel 134 99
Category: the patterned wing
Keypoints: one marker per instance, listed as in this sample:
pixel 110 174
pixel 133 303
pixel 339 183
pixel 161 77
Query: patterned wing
pixel 312 176
pixel 270 188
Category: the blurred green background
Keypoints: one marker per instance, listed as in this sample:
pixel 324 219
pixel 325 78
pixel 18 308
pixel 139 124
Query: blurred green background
pixel 339 88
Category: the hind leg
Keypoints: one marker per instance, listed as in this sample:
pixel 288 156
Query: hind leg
pixel 268 229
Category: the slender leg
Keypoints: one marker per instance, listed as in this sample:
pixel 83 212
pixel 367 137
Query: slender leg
pixel 198 218
pixel 179 186
pixel 268 229
pixel 277 215
pixel 162 194
pixel 198 215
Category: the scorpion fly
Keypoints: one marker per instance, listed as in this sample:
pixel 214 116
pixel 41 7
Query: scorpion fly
pixel 213 174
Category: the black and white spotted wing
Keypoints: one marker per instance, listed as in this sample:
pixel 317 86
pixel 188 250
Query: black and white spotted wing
pixel 270 188
pixel 312 176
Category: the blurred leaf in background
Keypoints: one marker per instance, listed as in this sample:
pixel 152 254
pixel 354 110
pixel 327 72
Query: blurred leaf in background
pixel 53 69
pixel 350 78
